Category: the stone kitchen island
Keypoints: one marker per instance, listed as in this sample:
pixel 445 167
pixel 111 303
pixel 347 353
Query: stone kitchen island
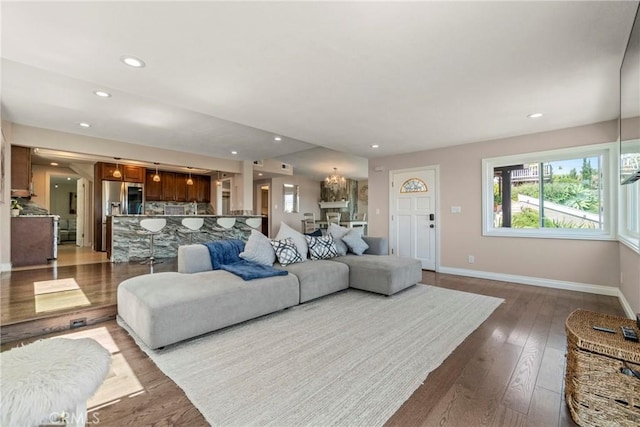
pixel 124 243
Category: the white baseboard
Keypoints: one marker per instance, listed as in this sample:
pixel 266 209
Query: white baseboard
pixel 535 281
pixel 626 306
pixel 546 283
pixel 5 266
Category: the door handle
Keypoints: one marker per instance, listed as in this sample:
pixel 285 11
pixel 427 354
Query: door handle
pixel 432 226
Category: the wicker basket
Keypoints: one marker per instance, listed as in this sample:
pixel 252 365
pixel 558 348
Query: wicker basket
pixel 597 390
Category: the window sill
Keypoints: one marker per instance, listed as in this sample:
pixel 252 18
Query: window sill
pixel 540 234
pixel 632 243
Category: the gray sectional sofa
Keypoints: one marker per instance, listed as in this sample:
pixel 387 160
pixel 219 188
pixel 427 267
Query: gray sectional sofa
pixel 166 308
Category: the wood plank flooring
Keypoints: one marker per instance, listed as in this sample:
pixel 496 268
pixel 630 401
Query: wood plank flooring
pixel 509 372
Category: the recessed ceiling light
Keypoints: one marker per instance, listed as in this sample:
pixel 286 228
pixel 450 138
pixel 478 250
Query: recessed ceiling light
pixel 68 178
pixel 375 146
pixel 132 61
pixel 260 174
pixel 84 125
pixel 534 115
pixel 102 94
pixel 54 164
pixel 234 152
pixel 277 138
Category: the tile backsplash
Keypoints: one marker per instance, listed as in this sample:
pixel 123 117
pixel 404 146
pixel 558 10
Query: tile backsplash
pixel 157 208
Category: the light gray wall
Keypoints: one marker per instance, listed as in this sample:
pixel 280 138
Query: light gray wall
pixel 582 261
pixel 309 198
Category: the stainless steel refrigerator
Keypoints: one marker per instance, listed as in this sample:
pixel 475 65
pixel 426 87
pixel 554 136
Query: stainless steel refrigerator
pixel 120 198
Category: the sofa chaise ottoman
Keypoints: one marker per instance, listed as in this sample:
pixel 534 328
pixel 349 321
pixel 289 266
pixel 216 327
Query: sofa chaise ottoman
pixel 384 274
pixel 165 308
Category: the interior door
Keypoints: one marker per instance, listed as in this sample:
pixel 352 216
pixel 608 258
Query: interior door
pixel 413 215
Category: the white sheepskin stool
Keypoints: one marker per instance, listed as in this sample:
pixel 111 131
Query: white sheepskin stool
pixel 48 378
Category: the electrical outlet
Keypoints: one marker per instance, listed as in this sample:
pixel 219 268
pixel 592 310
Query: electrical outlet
pixel 456 209
pixel 471 259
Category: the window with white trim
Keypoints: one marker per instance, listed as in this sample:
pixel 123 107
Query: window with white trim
pixel 630 214
pixel 565 193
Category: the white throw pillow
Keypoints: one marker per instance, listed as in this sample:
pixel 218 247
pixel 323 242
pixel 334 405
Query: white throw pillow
pixel 337 232
pixel 354 241
pixel 297 237
pixel 258 249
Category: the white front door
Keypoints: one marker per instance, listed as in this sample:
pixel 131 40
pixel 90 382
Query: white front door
pixel 413 215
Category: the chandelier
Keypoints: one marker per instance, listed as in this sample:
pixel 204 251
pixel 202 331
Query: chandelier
pixel 335 181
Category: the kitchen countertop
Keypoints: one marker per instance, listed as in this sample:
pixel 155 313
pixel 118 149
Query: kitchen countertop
pixel 37 216
pixel 210 216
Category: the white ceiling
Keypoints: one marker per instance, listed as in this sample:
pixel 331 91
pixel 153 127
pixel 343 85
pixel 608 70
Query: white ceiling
pixel 224 76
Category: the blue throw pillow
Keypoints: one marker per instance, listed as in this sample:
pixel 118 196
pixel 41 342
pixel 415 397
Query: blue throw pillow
pixel 316 233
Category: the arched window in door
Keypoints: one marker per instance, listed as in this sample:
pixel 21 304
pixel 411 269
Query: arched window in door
pixel 414 185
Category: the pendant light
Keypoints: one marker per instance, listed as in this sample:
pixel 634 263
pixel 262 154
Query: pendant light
pixel 156 177
pixel 117 173
pixel 189 180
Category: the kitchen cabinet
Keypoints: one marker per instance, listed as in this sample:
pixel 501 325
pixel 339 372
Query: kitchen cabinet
pixel 203 186
pixel 129 173
pixel 180 192
pixel 20 171
pixel 152 189
pixel 173 187
pixel 200 189
pixel 192 190
pixel 168 180
pixel 133 173
pixel 32 240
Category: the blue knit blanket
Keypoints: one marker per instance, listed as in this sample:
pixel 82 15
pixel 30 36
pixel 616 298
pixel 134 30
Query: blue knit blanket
pixel 225 255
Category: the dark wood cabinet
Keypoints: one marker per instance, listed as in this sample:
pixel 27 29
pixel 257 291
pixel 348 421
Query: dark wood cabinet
pixel 173 187
pixel 168 180
pixel 133 173
pixel 152 189
pixel 32 240
pixel 200 190
pixel 203 189
pixel 180 193
pixel 106 172
pixel 192 190
pixel 129 173
pixel 20 171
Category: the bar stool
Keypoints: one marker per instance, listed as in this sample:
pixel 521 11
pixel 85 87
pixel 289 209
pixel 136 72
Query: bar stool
pixel 152 226
pixel 194 225
pixel 254 222
pixel 226 222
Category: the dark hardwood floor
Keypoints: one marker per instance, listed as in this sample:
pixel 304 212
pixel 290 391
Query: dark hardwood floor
pixel 509 372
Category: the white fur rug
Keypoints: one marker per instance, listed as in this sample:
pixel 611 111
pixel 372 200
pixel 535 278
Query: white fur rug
pixel 351 358
pixel 43 379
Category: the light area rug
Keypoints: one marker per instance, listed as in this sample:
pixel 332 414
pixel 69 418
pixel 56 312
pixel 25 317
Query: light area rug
pixel 351 358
